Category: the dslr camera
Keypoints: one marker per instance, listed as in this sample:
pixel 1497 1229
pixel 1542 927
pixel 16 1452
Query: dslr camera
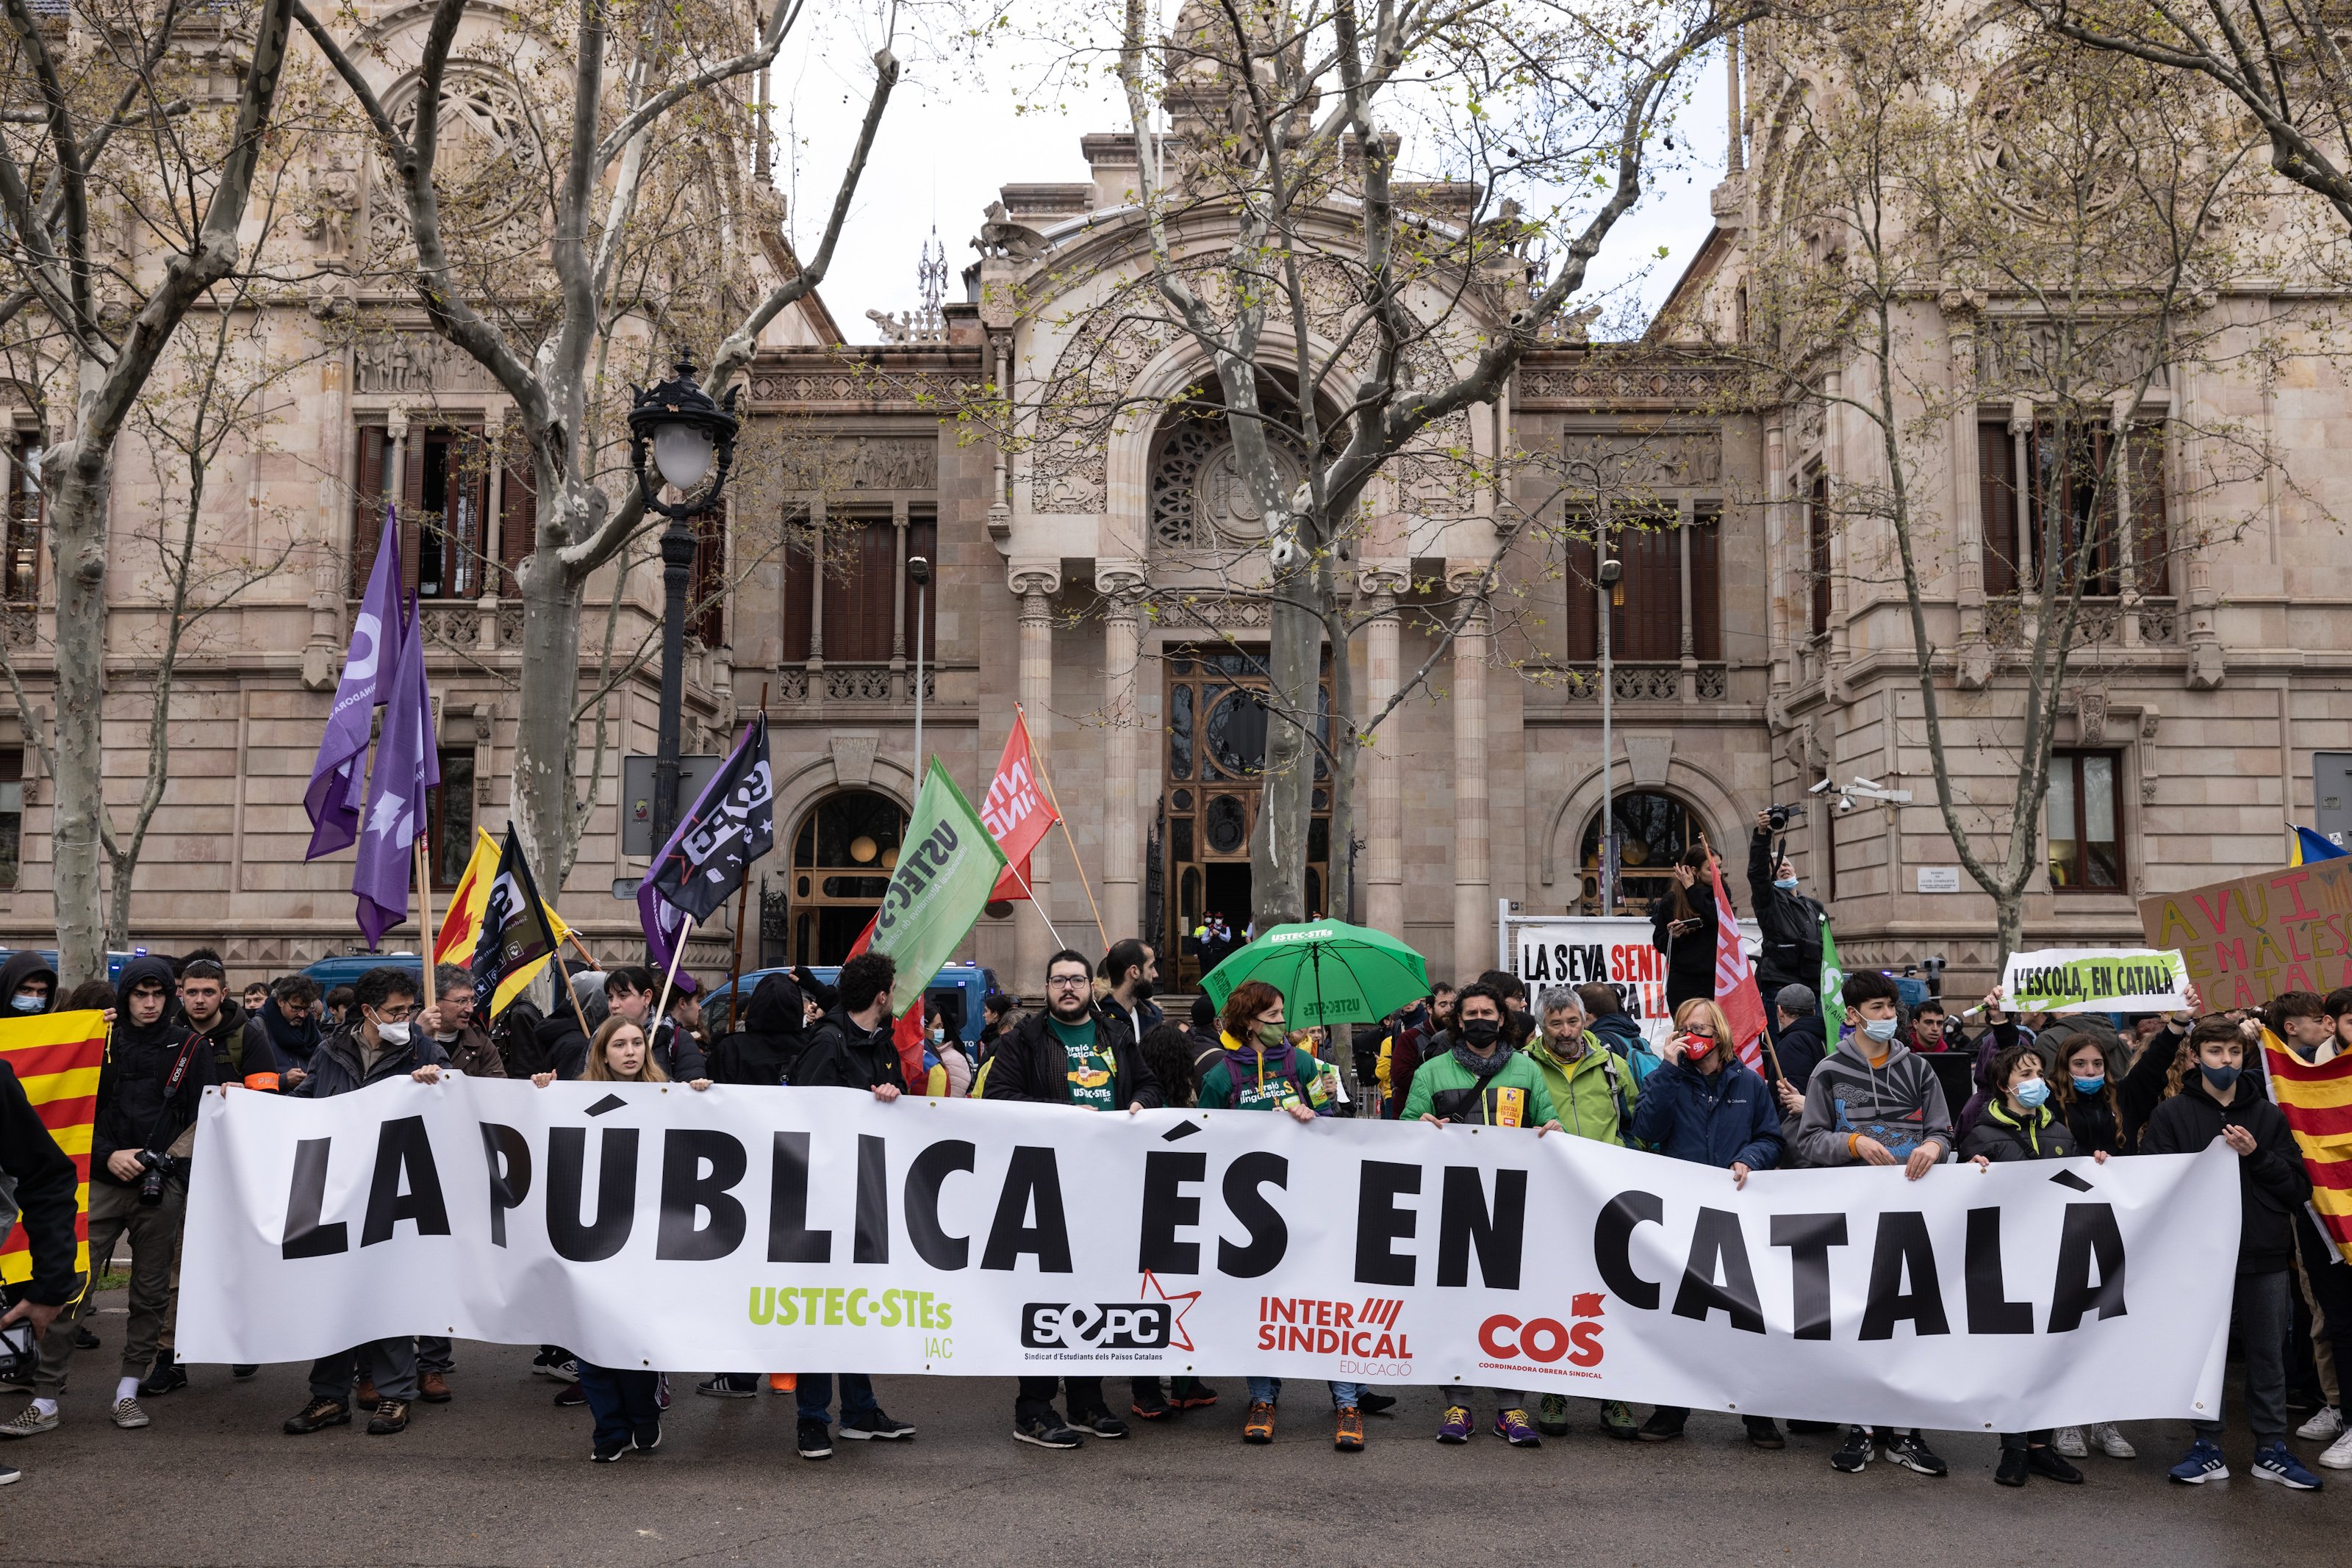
pixel 157 1169
pixel 1781 816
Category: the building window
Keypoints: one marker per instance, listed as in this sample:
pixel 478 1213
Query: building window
pixel 449 819
pixel 1647 622
pixel 845 597
pixel 2074 468
pixel 1652 829
pixel 11 813
pixel 2086 848
pixel 444 490
pixel 1817 545
pixel 24 521
pixel 843 854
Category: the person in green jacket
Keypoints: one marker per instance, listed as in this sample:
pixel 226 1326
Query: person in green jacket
pixel 1594 1093
pixel 1470 1074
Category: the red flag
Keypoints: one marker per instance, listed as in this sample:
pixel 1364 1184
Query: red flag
pixel 907 1033
pixel 1016 811
pixel 1735 980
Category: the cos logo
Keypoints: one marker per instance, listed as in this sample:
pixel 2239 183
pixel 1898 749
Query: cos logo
pixel 1127 1325
pixel 1544 1340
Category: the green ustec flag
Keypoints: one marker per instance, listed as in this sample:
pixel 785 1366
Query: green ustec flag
pixel 1832 984
pixel 947 864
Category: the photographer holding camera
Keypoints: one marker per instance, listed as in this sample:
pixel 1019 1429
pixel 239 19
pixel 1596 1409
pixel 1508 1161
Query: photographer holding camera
pixel 155 1073
pixel 1790 922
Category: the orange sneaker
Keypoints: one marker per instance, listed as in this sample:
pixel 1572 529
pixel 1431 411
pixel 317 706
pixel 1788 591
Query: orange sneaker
pixel 783 1382
pixel 1259 1428
pixel 1350 1438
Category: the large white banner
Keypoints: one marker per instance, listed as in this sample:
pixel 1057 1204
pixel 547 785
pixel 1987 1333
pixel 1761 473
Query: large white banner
pixel 784 1229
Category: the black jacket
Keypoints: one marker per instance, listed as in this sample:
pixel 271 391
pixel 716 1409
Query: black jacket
pixel 1032 1065
pixel 1998 1136
pixel 20 968
pixel 132 1111
pixel 1790 924
pixel 337 1066
pixel 840 1055
pixel 679 1053
pixel 2142 1089
pixel 769 1045
pixel 2094 1124
pixel 2271 1183
pixel 226 1037
pixel 1690 955
pixel 561 1047
pixel 274 1044
pixel 1801 1048
pixel 44 1175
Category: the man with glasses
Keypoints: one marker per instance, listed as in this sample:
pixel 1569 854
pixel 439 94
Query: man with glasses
pixel 382 1040
pixel 1070 1055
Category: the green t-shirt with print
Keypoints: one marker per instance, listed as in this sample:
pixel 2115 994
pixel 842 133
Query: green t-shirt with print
pixel 1090 1068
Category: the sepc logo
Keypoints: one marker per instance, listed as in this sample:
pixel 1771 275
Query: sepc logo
pixel 1124 1325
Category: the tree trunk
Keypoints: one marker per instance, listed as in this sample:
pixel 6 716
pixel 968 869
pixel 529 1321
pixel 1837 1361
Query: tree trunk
pixel 81 479
pixel 541 806
pixel 1278 854
pixel 2009 922
pixel 1340 884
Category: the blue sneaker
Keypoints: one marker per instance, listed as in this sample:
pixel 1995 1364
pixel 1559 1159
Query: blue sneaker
pixel 2276 1463
pixel 2203 1464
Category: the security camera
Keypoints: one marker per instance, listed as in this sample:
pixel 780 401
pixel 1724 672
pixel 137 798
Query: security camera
pixel 1842 804
pixel 1817 788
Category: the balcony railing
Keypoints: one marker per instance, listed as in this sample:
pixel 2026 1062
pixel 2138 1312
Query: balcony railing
pixel 1647 683
pixel 869 684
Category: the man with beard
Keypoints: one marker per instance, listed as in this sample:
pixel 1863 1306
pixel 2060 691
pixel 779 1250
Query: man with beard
pixel 283 1034
pixel 1133 967
pixel 1070 1055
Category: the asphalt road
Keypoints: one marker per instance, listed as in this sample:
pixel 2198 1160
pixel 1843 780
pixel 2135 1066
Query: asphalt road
pixel 501 1476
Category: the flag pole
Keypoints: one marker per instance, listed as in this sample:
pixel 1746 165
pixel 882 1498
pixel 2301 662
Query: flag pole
pixel 1046 779
pixel 661 1008
pixel 1030 893
pixel 425 914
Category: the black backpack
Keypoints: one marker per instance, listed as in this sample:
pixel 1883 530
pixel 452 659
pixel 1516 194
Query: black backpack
pixel 515 1034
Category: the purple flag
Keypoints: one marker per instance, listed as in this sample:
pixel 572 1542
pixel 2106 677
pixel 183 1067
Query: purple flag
pixel 664 923
pixel 406 765
pixel 337 778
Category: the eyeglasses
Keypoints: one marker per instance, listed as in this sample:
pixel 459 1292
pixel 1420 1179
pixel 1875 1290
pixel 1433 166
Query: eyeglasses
pixel 392 1015
pixel 1054 982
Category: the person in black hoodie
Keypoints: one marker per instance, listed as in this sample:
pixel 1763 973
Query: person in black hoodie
pixel 2210 1101
pixel 155 1073
pixel 207 1007
pixel 43 1179
pixel 29 983
pixel 1682 926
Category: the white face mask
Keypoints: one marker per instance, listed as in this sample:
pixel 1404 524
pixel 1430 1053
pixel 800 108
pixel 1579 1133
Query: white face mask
pixel 393 1033
pixel 1881 1029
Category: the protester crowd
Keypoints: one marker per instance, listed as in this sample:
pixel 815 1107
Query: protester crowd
pixel 1570 1062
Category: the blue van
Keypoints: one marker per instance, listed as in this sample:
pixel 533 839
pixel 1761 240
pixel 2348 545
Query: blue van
pixel 957 990
pixel 114 961
pixel 344 969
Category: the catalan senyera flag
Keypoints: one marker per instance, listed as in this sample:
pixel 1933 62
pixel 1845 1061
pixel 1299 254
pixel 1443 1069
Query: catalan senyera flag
pixel 461 928
pixel 56 1057
pixel 2317 1100
pixel 1735 980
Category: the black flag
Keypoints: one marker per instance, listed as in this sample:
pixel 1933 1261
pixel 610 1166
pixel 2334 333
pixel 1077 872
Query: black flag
pixel 515 932
pixel 730 824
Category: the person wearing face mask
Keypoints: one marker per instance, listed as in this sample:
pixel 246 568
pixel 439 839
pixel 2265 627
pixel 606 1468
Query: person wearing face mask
pixel 2024 1124
pixel 1872 1102
pixel 2083 1091
pixel 29 984
pixel 1789 921
pixel 382 1040
pixel 2211 1099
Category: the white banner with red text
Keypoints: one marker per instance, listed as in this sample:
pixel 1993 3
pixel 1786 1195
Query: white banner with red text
pixel 784 1229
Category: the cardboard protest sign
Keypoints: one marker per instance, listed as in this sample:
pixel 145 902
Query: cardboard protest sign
pixel 2096 979
pixel 2248 940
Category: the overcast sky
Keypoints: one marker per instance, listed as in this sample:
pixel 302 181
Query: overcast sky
pixel 951 137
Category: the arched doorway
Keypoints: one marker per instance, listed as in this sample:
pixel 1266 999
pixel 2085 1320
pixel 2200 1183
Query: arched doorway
pixel 842 852
pixel 1653 827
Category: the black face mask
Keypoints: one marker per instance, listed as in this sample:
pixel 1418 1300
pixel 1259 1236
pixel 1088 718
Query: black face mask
pixel 1482 1032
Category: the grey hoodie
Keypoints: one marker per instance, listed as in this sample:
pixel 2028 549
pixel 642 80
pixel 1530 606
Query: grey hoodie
pixel 1900 1102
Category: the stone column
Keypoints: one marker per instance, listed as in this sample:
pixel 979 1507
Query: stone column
pixel 1473 907
pixel 1379 777
pixel 1123 717
pixel 1036 590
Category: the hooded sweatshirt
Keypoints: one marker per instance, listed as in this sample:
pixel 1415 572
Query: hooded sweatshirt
pixel 769 1044
pixel 1899 1102
pixel 133 1112
pixel 19 969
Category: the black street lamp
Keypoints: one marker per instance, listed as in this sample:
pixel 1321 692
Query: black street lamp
pixel 692 438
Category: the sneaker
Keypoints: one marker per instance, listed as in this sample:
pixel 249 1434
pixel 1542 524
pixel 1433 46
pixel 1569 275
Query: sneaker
pixel 2112 1443
pixel 9 1473
pixel 1617 1420
pixel 84 1339
pixel 2278 1463
pixel 244 1369
pixel 1100 1424
pixel 605 1456
pixel 391 1417
pixel 2204 1463
pixel 28 1421
pixel 1456 1427
pixel 1662 1428
pixel 126 1415
pixel 1258 1426
pixel 317 1416
pixel 2011 1471
pixel 2340 1454
pixel 1372 1403
pixel 564 1371
pixel 2068 1440
pixel 661 1390
pixel 165 1375
pixel 815 1440
pixel 368 1398
pixel 1552 1416
pixel 875 1427
pixel 1763 1434
pixel 2325 1426
pixel 1514 1427
pixel 726 1385
pixel 433 1388
pixel 2050 1463
pixel 783 1382
pixel 1911 1451
pixel 1854 1452
pixel 1198 1395
pixel 1047 1431
pixel 1150 1406
pixel 1349 1436
pixel 645 1439
pixel 572 1397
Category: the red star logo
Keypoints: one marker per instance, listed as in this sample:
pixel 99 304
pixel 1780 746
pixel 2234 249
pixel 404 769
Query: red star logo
pixel 1177 1338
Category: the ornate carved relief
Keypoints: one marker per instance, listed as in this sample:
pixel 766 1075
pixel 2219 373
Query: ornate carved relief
pixel 398 361
pixel 1619 464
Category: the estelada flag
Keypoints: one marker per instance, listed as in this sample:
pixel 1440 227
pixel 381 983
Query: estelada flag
pixel 1735 978
pixel 1016 811
pixel 2317 1100
pixel 907 1031
pixel 56 1057
pixel 516 932
pixel 461 928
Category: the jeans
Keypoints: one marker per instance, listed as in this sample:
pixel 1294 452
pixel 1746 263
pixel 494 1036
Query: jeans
pixel 2262 1309
pixel 621 1402
pixel 813 1394
pixel 391 1363
pixel 155 1232
pixel 1034 1397
pixel 1505 1398
pixel 433 1354
pixel 1267 1390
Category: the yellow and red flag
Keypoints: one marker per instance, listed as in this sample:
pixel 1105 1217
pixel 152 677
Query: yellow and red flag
pixel 2316 1099
pixel 56 1057
pixel 461 928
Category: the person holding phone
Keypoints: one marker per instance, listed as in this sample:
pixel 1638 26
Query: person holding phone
pixel 1682 926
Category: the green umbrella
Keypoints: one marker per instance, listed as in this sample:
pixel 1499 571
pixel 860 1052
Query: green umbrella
pixel 1328 972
